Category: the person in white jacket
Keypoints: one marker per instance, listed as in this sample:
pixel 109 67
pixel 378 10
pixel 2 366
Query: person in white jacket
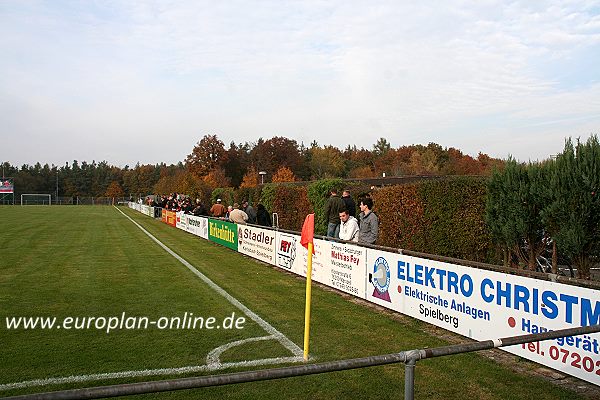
pixel 348 227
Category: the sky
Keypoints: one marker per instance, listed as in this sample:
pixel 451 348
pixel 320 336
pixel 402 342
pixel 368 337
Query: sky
pixel 144 81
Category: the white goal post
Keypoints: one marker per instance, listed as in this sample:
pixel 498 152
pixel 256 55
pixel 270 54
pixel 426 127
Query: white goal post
pixel 36 199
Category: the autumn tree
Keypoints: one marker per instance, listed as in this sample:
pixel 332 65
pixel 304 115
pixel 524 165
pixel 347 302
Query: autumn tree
pixel 362 172
pixel 250 178
pixel 358 160
pixel 459 163
pixel 326 162
pixel 392 163
pixel 141 179
pixel 276 152
pixel 114 190
pixel 217 178
pixel 208 154
pixel 190 184
pixel 487 164
pixel 164 185
pixel 238 161
pixel 283 174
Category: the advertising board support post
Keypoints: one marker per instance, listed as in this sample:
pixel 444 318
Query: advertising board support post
pixel 306 240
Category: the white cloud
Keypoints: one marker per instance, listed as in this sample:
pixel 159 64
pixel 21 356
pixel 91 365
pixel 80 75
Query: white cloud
pixel 476 75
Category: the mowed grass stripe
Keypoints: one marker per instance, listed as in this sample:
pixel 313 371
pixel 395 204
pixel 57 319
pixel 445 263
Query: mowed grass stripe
pixel 294 349
pixel 91 261
pixel 340 329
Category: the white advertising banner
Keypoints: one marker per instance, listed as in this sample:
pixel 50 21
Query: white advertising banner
pixel 338 265
pixel 345 268
pixel 286 251
pixel 135 206
pixel 147 210
pixel 319 260
pixel 293 257
pixel 257 243
pixel 196 225
pixel 488 305
pixel 181 220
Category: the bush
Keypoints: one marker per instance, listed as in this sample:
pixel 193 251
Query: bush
pixel 267 196
pixel 225 194
pixel 292 206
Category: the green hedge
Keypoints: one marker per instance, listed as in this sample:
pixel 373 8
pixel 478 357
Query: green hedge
pixel 444 217
pixel 400 213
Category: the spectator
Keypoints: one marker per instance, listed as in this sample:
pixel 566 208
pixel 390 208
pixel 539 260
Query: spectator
pixel 199 210
pixel 369 222
pixel 171 203
pixel 332 214
pixel 187 206
pixel 263 217
pixel 349 203
pixel 348 227
pixel 238 216
pixel 248 209
pixel 218 209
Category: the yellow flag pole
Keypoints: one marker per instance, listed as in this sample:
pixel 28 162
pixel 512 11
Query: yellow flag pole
pixel 308 295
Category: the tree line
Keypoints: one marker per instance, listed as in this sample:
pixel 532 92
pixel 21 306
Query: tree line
pixel 543 210
pixel 211 164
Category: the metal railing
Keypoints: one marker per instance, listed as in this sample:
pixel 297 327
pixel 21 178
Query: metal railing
pixel 409 358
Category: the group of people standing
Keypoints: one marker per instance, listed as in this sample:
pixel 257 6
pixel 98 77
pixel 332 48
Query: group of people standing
pixel 246 214
pixel 342 223
pixel 340 213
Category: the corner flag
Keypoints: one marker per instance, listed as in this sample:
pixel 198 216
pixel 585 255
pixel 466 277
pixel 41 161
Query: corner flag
pixel 306 240
pixel 308 231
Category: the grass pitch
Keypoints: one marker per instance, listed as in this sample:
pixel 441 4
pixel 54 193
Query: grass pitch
pixel 92 261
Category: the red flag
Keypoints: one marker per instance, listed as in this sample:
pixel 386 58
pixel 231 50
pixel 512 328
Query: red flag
pixel 308 231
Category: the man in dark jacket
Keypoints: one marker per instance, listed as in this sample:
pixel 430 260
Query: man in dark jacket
pixel 262 216
pixel 349 203
pixel 248 209
pixel 199 209
pixel 369 222
pixel 332 214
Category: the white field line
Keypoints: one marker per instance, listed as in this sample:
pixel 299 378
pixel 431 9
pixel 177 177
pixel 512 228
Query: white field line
pixel 287 343
pixel 145 373
pixel 213 358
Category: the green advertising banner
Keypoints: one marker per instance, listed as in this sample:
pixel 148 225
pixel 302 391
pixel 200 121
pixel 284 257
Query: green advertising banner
pixel 223 233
